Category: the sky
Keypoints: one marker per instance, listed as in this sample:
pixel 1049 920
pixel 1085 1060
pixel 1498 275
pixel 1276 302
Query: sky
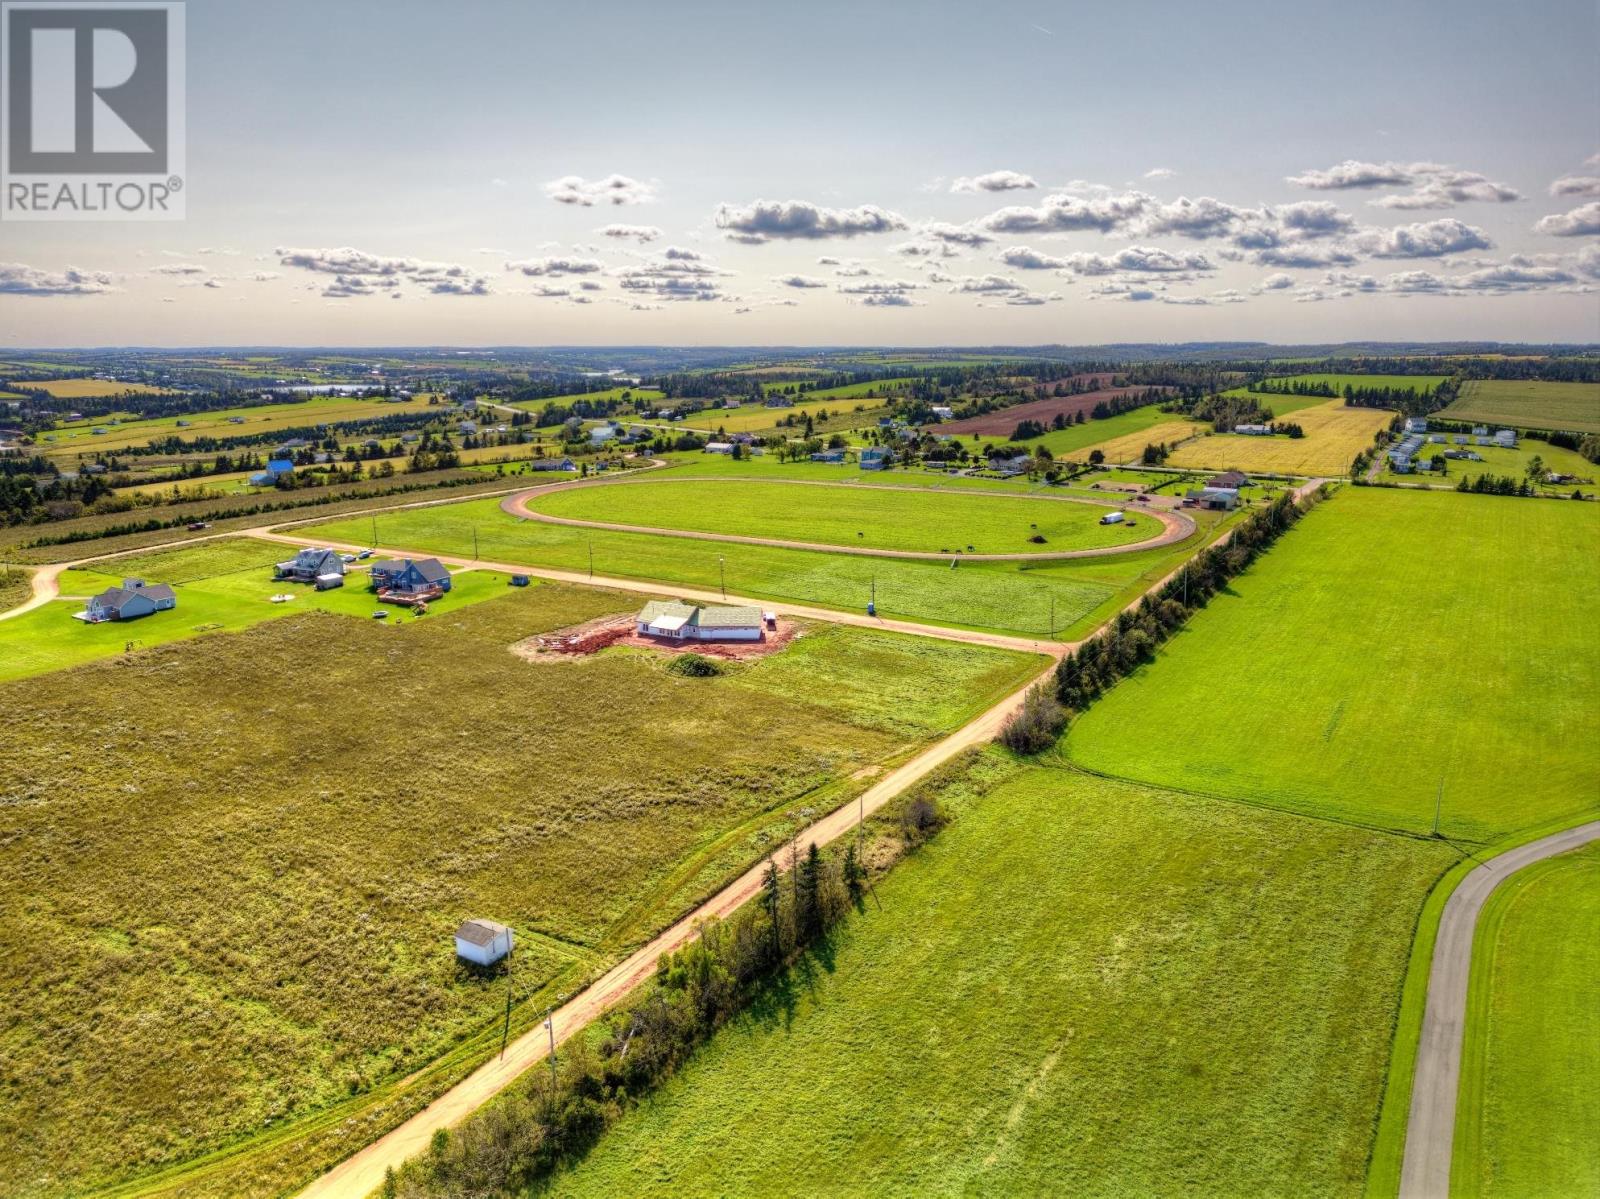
pixel 389 172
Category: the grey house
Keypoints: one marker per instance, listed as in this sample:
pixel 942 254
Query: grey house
pixel 309 565
pixel 135 598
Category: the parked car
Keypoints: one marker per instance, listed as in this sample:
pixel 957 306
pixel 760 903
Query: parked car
pixel 196 525
pixel 364 555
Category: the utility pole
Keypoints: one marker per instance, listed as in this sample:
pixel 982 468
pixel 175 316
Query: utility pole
pixel 591 558
pixel 1438 802
pixel 722 573
pixel 374 532
pixel 550 1027
pixel 505 1032
pixel 1052 617
pixel 474 543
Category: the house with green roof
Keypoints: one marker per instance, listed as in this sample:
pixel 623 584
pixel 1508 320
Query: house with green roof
pixel 671 620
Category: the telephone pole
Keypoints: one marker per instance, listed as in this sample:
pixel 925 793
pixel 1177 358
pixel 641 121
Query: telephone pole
pixel 505 1032
pixel 550 1027
pixel 591 558
pixel 722 573
pixel 374 532
pixel 1438 802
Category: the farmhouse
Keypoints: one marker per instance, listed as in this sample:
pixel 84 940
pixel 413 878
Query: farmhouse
pixel 410 579
pixel 482 942
pixel 718 447
pixel 828 456
pixel 674 621
pixel 553 464
pixel 310 565
pixel 1416 424
pixel 1231 479
pixel 132 600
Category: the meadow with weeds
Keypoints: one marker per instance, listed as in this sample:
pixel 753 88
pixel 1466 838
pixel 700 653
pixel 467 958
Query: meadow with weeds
pixel 232 867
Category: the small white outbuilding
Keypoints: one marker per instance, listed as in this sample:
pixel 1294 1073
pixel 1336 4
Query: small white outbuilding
pixel 482 942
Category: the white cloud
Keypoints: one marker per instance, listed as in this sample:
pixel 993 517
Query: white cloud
pixel 1354 174
pixel 1434 185
pixel 1277 282
pixel 1160 173
pixel 1576 185
pixel 995 181
pixel 983 284
pixel 178 268
pixel 1140 259
pixel 766 220
pixel 1426 239
pixel 358 273
pixel 17 279
pixel 801 281
pixel 586 193
pixel 1067 214
pixel 1025 259
pixel 639 233
pixel 1314 219
pixel 1580 222
pixel 554 266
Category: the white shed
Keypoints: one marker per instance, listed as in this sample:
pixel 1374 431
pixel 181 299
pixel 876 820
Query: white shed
pixel 482 942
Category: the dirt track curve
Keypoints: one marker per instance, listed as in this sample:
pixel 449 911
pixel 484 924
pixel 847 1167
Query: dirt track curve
pixel 1431 1127
pixel 1175 525
pixel 45 588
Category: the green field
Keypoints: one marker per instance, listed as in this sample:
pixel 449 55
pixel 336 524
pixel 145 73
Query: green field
pixel 917 520
pixel 79 436
pixel 1067 443
pixel 1397 649
pixel 1529 1110
pixel 1080 987
pixel 1411 383
pixel 648 394
pixel 231 868
pixel 1529 404
pixel 221 586
pixel 1018 596
pixel 1502 462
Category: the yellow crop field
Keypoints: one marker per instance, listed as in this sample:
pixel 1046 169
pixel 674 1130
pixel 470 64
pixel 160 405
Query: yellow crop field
pixel 757 418
pixel 1335 434
pixel 1129 446
pixel 74 389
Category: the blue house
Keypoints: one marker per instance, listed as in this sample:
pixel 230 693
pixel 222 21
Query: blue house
pixel 280 466
pixel 874 458
pixel 408 577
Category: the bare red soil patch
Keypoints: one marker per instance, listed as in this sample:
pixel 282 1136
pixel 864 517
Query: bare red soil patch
pixel 1004 421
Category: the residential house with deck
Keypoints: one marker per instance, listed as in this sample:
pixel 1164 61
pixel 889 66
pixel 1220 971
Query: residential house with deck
pixel 135 598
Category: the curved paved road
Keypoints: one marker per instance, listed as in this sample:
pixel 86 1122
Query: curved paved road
pixel 1176 526
pixel 1431 1127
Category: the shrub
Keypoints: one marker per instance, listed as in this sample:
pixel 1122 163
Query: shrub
pixel 1035 726
pixel 694 666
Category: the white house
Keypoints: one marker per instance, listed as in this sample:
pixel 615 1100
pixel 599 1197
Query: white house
pixel 1416 424
pixel 482 942
pixel 673 621
pixel 718 447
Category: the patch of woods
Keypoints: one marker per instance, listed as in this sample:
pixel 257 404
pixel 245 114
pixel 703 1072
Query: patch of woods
pixel 743 962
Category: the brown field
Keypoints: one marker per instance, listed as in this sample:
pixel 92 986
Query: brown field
pixel 1102 378
pixel 1001 423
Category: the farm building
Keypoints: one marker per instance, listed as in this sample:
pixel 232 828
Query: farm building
pixel 408 577
pixel 718 447
pixel 483 942
pixel 943 412
pixel 1231 479
pixel 135 598
pixel 1416 424
pixel 280 466
pixel 828 456
pixel 1506 439
pixel 310 565
pixel 1015 465
pixel 601 434
pixel 553 464
pixel 675 621
pixel 1254 430
pixel 327 582
pixel 1215 499
pixel 874 458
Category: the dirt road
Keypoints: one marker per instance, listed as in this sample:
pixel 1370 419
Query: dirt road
pixel 45 586
pixel 1430 1129
pixel 1176 526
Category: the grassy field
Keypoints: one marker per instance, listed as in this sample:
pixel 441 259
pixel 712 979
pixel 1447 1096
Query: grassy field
pixel 876 388
pixel 15 586
pixel 1412 383
pixel 1397 649
pixel 1528 1109
pixel 230 880
pixel 1128 446
pixel 756 418
pixel 75 389
pixel 648 394
pixel 870 518
pixel 78 436
pixel 1080 987
pixel 221 586
pixel 1076 441
pixel 1021 597
pixel 1335 434
pixel 1529 404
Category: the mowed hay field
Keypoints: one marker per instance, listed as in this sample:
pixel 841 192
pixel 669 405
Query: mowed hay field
pixel 918 520
pixel 1129 446
pixel 1529 404
pixel 1396 642
pixel 1335 434
pixel 75 389
pixel 231 869
pixel 1079 987
pixel 1068 596
pixel 1529 1109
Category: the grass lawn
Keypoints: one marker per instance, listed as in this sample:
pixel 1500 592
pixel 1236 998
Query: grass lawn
pixel 1335 434
pixel 231 868
pixel 1395 642
pixel 1529 1110
pixel 1529 404
pixel 221 586
pixel 1007 596
pixel 870 518
pixel 1080 987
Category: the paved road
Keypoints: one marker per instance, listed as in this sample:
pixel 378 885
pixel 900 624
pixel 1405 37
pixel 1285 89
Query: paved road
pixel 1176 526
pixel 1431 1127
